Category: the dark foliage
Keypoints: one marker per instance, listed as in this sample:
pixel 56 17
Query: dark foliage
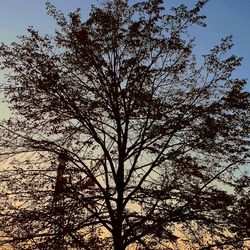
pixel 120 139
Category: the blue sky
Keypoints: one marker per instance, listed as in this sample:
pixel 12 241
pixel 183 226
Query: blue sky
pixel 223 17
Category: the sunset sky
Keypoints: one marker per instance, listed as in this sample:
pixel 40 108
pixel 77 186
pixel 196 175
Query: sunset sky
pixel 223 17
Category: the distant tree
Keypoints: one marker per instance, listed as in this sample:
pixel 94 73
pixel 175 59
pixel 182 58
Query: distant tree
pixel 120 139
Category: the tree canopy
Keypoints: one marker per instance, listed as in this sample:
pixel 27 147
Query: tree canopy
pixel 120 138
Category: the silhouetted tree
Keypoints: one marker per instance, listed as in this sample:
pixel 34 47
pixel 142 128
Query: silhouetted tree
pixel 119 138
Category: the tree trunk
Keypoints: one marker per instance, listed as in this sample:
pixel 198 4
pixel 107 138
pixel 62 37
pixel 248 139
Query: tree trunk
pixel 118 239
pixel 117 234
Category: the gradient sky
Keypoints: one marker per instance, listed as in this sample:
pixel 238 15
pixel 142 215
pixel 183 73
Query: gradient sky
pixel 224 17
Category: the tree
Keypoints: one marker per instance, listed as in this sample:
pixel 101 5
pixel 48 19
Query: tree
pixel 120 139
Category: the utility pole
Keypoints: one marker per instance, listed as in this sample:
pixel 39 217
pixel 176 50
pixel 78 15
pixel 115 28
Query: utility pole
pixel 59 201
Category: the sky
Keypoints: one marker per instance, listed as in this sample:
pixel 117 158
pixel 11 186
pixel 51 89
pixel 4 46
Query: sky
pixel 224 17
